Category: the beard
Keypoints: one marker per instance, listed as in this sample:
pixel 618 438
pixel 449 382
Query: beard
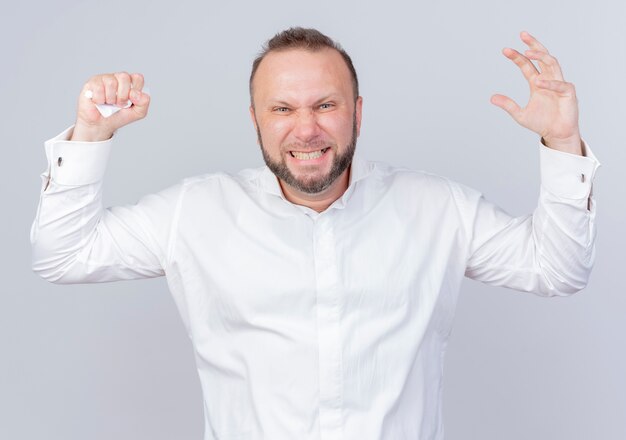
pixel 312 185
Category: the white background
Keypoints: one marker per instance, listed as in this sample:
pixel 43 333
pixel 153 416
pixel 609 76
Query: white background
pixel 112 361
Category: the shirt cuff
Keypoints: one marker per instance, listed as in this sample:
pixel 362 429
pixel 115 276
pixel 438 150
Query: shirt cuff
pixel 568 175
pixel 75 163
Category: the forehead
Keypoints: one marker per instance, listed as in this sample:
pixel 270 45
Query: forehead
pixel 296 71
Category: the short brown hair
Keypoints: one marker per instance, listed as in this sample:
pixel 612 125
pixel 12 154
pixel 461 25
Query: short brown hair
pixel 307 39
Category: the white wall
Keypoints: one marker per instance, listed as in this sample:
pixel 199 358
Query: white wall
pixel 112 361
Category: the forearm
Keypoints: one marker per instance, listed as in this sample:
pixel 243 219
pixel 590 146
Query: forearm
pixel 70 206
pixel 62 233
pixel 564 244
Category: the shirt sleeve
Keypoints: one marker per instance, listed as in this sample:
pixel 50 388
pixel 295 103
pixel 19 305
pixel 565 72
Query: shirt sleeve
pixel 76 240
pixel 550 252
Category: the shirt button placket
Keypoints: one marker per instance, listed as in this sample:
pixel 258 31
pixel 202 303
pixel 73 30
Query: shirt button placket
pixel 328 327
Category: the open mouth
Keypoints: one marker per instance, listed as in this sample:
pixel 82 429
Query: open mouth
pixel 310 155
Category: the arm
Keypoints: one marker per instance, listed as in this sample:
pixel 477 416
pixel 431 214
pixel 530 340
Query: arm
pixel 552 251
pixel 549 253
pixel 74 239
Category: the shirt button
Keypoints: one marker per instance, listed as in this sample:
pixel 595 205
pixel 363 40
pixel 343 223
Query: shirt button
pixel 59 161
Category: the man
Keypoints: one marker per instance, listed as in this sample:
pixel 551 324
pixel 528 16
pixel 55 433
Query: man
pixel 318 291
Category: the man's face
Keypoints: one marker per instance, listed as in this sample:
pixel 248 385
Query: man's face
pixel 306 117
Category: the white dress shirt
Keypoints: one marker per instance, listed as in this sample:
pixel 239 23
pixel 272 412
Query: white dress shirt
pixel 309 325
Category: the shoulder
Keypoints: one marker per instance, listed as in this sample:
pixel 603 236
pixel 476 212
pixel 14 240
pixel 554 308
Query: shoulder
pixel 244 177
pixel 401 177
pixel 424 190
pixel 222 186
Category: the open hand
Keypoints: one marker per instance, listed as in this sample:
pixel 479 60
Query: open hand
pixel 552 110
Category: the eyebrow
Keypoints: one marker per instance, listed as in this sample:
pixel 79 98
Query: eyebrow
pixel 280 102
pixel 329 97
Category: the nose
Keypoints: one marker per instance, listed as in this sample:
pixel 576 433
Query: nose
pixel 306 127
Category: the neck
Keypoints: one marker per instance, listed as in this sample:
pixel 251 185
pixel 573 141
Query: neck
pixel 319 201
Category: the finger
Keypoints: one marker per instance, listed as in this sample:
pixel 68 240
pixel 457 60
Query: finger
pixel 141 102
pixel 532 42
pixel 507 104
pixel 123 88
pixel 534 45
pixel 549 64
pixel 91 92
pixel 94 91
pixel 526 66
pixel 561 87
pixel 137 81
pixel 137 111
pixel 110 89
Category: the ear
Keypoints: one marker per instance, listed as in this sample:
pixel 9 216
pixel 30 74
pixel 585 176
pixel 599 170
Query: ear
pixel 358 110
pixel 253 117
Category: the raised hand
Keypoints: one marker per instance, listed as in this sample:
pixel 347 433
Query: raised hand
pixel 552 110
pixel 115 89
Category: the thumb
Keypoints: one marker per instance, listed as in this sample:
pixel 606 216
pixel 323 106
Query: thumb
pixel 508 105
pixel 138 110
pixel 141 102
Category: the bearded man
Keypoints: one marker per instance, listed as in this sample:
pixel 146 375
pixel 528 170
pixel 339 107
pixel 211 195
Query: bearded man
pixel 318 291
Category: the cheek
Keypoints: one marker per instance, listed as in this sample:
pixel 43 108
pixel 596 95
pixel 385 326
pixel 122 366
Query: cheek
pixel 275 132
pixel 338 127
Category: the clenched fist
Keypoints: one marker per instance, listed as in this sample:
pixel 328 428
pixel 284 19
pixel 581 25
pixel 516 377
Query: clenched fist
pixel 115 89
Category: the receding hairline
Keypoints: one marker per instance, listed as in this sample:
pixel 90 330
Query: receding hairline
pixel 305 50
pixel 306 40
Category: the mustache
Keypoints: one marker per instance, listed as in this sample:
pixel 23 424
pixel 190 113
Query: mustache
pixel 317 144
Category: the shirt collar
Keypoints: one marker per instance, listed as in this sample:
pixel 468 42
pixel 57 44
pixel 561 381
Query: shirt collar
pixel 359 169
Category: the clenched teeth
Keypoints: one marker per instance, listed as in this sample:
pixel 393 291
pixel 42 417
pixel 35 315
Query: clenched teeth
pixel 308 156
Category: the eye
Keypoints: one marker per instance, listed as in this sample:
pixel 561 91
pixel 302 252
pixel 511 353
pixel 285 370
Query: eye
pixel 326 106
pixel 281 109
